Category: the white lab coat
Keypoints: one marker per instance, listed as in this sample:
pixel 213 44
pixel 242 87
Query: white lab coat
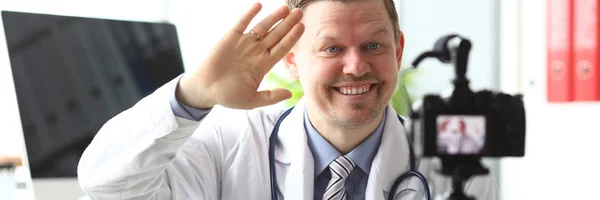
pixel 469 144
pixel 146 152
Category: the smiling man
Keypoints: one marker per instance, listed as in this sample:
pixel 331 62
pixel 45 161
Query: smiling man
pixel 209 134
pixel 347 61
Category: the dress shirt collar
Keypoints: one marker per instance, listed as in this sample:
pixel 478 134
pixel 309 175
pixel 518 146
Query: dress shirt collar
pixel 324 153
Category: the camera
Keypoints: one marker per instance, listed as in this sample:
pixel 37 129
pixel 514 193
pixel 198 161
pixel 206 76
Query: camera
pixel 473 124
pixel 467 125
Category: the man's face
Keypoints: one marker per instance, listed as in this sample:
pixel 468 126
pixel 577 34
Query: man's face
pixel 347 60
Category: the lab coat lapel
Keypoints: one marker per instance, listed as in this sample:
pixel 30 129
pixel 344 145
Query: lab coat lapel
pixel 392 158
pixel 293 154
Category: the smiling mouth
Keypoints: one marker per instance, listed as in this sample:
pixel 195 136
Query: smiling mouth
pixel 358 90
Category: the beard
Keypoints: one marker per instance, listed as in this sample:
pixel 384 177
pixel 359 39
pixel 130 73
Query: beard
pixel 355 122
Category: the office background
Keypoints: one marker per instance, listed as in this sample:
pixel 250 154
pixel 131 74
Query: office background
pixel 509 54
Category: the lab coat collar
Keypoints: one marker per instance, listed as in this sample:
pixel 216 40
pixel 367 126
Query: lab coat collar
pixel 292 150
pixel 392 158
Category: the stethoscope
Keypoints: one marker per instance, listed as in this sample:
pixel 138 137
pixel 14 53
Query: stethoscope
pixel 411 172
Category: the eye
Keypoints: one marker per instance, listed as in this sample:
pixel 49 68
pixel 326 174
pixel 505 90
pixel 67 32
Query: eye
pixel 374 46
pixel 332 49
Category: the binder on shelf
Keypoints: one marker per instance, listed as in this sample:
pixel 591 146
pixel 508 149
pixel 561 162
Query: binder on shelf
pixel 560 51
pixel 586 50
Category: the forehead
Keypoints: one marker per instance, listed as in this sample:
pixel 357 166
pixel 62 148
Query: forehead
pixel 352 14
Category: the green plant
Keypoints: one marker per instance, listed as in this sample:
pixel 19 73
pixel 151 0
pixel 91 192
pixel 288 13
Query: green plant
pixel 406 79
pixel 293 85
pixel 398 100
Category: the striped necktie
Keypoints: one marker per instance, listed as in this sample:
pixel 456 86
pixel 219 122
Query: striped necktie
pixel 340 169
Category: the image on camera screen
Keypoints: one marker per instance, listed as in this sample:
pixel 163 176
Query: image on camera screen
pixel 460 134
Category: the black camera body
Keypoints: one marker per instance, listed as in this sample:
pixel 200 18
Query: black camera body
pixel 473 124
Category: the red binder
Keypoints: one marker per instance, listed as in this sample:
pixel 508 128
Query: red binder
pixel 560 50
pixel 586 40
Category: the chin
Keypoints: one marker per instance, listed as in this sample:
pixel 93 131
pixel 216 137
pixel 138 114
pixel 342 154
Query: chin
pixel 357 116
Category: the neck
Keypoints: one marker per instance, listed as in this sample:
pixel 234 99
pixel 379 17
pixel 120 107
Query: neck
pixel 343 139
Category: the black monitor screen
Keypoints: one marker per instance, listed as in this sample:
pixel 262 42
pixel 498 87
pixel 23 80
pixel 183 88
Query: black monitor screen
pixel 73 74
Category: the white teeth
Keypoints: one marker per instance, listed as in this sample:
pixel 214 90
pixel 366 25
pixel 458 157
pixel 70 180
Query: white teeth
pixel 354 90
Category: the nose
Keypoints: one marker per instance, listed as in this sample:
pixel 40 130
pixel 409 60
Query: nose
pixel 355 63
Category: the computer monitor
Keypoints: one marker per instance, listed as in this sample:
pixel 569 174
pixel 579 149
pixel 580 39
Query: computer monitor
pixel 72 74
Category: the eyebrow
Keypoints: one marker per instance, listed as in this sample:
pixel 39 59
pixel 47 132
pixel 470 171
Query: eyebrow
pixel 379 30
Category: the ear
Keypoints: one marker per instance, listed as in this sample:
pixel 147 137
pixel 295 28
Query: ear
pixel 399 49
pixel 290 63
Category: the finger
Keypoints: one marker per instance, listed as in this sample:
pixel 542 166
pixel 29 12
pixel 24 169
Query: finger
pixel 282 28
pixel 269 97
pixel 242 24
pixel 263 27
pixel 287 42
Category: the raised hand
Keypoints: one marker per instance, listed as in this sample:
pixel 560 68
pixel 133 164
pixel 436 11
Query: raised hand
pixel 233 70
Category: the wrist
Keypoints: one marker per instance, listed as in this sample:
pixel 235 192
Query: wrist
pixel 193 94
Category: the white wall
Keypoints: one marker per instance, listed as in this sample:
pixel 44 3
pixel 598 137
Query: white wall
pixel 11 138
pixel 425 21
pixel 200 23
pixel 561 159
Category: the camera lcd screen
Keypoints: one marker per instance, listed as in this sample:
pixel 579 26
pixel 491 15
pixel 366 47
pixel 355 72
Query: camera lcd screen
pixel 460 134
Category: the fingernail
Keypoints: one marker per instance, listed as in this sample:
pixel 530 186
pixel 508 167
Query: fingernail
pixel 295 10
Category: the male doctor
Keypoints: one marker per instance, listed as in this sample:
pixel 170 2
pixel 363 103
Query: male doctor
pixel 469 142
pixel 205 134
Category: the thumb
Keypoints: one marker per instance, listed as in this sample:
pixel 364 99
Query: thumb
pixel 268 97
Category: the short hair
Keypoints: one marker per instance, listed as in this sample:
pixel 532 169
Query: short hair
pixel 390 7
